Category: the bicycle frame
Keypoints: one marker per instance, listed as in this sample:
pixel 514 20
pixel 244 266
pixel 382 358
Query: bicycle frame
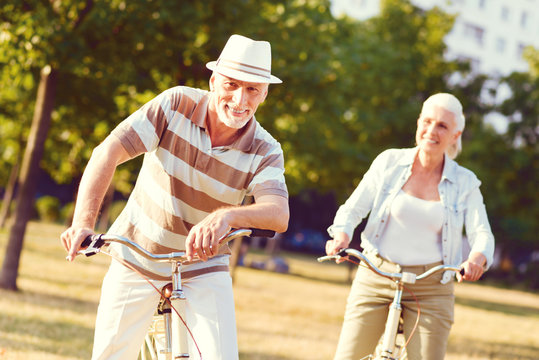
pixel 395 309
pixel 175 331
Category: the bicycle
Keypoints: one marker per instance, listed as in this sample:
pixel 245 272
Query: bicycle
pixel 167 337
pixel 389 348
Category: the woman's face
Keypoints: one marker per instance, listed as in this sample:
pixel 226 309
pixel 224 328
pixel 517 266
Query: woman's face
pixel 436 130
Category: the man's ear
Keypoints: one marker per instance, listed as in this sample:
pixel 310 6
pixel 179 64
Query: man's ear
pixel 266 93
pixel 212 79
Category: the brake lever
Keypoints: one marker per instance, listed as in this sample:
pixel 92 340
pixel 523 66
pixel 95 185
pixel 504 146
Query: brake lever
pixel 93 245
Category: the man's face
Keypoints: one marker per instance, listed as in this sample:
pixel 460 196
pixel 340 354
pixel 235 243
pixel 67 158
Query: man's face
pixel 236 101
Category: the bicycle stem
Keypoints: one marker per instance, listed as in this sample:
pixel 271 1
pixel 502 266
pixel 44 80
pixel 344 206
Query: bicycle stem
pixel 179 342
pixel 392 324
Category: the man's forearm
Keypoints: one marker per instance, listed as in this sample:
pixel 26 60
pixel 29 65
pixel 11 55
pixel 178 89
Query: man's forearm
pixel 269 213
pixel 96 180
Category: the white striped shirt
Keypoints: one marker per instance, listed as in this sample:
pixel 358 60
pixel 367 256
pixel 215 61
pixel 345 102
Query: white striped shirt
pixel 183 178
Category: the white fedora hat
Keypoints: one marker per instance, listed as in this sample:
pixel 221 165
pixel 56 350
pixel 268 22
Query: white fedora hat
pixel 245 59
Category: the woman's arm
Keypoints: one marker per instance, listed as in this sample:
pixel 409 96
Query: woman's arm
pixel 478 231
pixel 479 236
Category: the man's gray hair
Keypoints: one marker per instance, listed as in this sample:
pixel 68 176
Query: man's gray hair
pixel 450 103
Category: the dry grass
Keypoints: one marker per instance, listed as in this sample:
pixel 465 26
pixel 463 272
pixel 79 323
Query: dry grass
pixel 281 317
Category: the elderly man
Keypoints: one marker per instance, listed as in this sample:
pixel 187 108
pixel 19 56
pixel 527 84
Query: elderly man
pixel 203 153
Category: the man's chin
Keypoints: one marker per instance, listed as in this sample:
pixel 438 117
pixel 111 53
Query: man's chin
pixel 233 123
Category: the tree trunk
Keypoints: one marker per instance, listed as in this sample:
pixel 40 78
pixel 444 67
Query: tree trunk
pixel 8 195
pixel 29 176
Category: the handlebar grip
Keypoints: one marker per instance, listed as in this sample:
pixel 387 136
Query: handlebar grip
pixel 342 253
pixel 90 238
pixel 462 272
pixel 262 233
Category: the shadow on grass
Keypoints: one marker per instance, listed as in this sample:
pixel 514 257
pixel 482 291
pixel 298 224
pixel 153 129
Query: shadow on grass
pixel 40 335
pixel 41 300
pixel 316 278
pixel 258 356
pixel 488 350
pixel 66 281
pixel 519 310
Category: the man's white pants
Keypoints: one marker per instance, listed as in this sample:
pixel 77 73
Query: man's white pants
pixel 128 304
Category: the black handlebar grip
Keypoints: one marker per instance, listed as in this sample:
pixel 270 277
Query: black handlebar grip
pixel 262 233
pixel 342 253
pixel 90 238
pixel 462 271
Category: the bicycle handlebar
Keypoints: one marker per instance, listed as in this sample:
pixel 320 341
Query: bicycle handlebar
pixel 93 244
pixel 405 277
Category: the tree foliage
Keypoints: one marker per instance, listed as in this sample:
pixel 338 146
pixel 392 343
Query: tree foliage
pixel 507 163
pixel 517 168
pixel 346 86
pixel 351 88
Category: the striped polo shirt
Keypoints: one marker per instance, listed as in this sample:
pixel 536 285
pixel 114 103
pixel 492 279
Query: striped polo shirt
pixel 183 178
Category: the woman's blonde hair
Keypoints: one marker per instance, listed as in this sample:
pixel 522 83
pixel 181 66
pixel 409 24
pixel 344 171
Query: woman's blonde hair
pixel 451 103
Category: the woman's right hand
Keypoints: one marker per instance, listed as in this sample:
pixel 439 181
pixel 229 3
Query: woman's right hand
pixel 340 241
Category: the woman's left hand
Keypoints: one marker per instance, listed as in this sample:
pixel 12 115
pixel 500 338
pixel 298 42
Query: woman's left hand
pixel 474 267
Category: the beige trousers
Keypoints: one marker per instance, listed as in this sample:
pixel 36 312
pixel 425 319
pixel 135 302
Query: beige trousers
pixel 128 303
pixel 368 305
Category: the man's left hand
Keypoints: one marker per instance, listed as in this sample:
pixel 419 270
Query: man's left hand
pixel 203 239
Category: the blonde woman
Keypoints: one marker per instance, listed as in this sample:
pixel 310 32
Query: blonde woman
pixel 418 201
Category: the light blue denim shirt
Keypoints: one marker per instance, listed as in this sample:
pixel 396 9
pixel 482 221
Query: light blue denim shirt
pixel 459 194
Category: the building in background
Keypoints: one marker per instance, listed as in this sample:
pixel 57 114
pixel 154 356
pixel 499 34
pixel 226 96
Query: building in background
pixel 491 34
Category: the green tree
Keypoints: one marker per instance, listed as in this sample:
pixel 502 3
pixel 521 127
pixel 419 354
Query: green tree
pixel 506 163
pixel 97 54
pixel 519 213
pixel 350 88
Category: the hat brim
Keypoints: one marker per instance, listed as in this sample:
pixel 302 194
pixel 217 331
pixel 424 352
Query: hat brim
pixel 243 76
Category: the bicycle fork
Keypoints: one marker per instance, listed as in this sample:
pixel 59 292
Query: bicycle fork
pixel 392 324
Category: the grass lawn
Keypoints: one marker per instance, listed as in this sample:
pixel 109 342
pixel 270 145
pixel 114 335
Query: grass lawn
pixel 292 316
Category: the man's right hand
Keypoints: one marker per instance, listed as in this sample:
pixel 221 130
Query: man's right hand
pixel 72 238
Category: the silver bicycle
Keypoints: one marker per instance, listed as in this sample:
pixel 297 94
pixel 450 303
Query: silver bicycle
pixel 167 338
pixel 390 346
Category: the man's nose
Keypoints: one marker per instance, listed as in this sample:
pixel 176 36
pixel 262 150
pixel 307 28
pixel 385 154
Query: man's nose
pixel 239 96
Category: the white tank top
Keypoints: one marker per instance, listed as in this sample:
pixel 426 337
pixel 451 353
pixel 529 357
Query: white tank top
pixel 413 235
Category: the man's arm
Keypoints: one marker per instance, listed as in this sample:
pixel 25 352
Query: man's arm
pixel 95 181
pixel 269 212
